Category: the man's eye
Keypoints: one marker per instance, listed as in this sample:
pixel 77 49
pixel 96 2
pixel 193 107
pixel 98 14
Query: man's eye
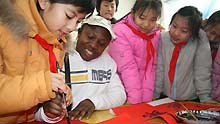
pixel 102 43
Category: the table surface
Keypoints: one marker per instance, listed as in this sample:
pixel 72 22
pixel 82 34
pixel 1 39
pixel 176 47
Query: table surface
pixel 99 116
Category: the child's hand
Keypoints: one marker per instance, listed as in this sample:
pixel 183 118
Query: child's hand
pixel 69 96
pixel 54 107
pixel 84 109
pixel 58 83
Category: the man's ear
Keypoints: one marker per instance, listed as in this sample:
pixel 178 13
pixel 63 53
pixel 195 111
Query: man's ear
pixel 43 4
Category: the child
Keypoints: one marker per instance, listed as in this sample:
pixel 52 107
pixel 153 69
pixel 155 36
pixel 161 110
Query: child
pixel 212 29
pixel 184 59
pixel 107 9
pixel 31 41
pixel 216 78
pixel 135 49
pixel 95 83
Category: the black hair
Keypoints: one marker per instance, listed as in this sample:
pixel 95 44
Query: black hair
pixel 194 17
pixel 98 4
pixel 81 28
pixel 214 19
pixel 87 6
pixel 141 5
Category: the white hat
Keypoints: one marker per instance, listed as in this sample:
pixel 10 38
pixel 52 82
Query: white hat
pixel 100 21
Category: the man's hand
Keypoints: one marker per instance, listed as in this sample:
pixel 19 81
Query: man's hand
pixel 84 109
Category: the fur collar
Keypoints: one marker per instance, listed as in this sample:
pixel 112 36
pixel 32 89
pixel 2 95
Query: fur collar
pixel 13 20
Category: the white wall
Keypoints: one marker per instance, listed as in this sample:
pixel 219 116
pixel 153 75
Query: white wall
pixel 123 8
pixel 207 7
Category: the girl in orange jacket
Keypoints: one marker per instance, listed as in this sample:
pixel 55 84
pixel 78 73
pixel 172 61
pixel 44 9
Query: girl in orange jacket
pixel 32 35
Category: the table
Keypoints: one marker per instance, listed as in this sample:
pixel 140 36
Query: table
pixel 99 116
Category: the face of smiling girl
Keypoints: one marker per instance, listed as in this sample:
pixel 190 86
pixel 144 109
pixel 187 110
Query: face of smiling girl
pixel 147 20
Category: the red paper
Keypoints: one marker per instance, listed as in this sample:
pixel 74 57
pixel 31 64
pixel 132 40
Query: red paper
pixel 199 106
pixel 124 119
pixel 143 112
pixel 137 111
pixel 169 109
pixel 175 106
pixel 168 118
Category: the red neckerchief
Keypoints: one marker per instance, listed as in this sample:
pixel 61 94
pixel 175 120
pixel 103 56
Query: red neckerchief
pixel 49 48
pixel 173 61
pixel 149 47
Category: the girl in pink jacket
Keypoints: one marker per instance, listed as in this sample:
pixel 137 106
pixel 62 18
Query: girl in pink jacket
pixel 135 49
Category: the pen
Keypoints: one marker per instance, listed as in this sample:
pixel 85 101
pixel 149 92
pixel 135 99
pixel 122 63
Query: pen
pixel 64 99
pixel 65 106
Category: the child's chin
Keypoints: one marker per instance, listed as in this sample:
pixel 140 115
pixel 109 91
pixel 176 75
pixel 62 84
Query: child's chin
pixel 175 41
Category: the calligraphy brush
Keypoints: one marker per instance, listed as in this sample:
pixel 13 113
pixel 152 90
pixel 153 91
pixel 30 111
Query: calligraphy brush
pixel 66 112
pixel 64 99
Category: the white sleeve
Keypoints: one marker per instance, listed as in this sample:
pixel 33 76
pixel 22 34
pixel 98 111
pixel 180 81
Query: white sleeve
pixel 40 116
pixel 114 96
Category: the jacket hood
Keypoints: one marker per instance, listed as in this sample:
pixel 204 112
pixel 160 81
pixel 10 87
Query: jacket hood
pixel 15 22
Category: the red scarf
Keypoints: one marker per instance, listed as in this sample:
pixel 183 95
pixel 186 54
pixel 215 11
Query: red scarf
pixel 49 48
pixel 149 47
pixel 173 61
